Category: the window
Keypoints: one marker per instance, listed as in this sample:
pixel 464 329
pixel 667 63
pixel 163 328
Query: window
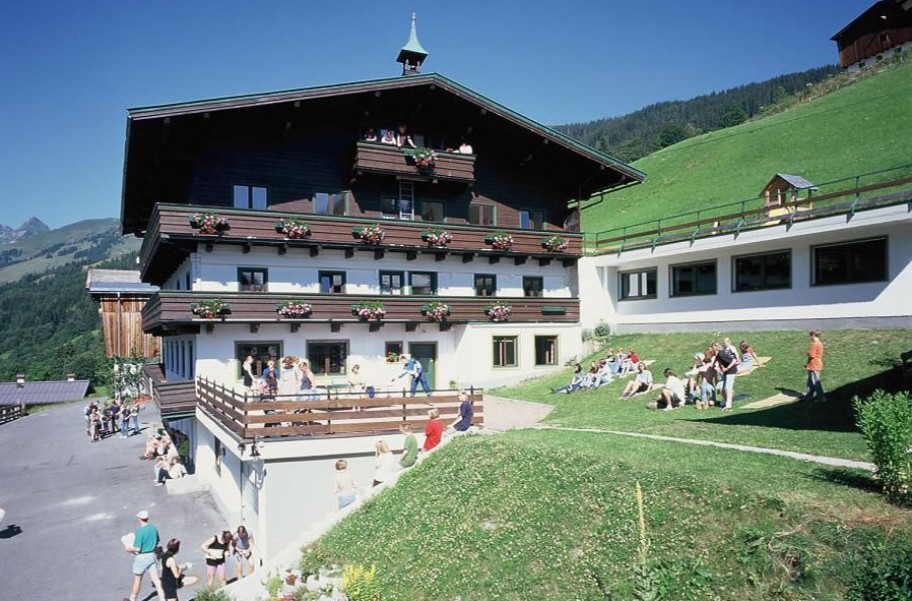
pixel 261 353
pixel 187 282
pixel 396 208
pixel 850 262
pixel 546 350
pixel 639 284
pixel 249 197
pixel 531 220
pixel 533 286
pixel 485 285
pixel 391 282
pixel 480 214
pixel 392 346
pixel 332 282
pixel 432 210
pixel 693 279
pixel 504 351
pixel 252 279
pixel 768 271
pixel 423 283
pixel 327 358
pixel 330 204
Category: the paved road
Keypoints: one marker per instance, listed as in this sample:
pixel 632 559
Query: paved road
pixel 73 500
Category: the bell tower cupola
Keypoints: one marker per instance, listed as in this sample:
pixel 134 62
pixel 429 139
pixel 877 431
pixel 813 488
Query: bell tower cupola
pixel 412 55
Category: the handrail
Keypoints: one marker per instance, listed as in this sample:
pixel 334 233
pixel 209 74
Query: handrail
pixel 10 413
pixel 619 239
pixel 326 412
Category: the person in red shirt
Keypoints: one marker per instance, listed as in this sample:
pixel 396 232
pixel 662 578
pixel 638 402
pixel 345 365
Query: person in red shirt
pixel 433 430
pixel 814 366
pixel 634 358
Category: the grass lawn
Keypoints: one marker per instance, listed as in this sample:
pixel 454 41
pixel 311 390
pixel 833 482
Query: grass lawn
pixel 855 362
pixel 861 128
pixel 552 515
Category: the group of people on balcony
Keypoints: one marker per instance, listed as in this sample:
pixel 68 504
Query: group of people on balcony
pixel 401 138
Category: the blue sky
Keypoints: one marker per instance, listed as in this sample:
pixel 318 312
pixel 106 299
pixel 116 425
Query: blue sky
pixel 69 70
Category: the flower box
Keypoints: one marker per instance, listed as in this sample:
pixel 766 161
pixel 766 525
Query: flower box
pixel 369 310
pixel 294 229
pixel 209 224
pixel 425 158
pixel 499 240
pixel 437 237
pixel 294 309
pixel 436 311
pixel 555 244
pixel 499 311
pixel 392 357
pixel 369 234
pixel 210 309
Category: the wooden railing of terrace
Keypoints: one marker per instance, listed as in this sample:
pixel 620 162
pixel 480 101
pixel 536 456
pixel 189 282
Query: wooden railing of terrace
pixel 9 413
pixel 328 413
pixel 173 398
pixel 170 237
pixel 841 197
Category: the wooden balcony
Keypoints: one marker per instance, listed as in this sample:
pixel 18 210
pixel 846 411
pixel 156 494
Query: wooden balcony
pixel 174 399
pixel 169 311
pixel 170 238
pixel 337 414
pixel 373 157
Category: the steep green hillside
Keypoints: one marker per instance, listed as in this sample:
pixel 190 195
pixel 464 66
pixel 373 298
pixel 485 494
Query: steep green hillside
pixel 552 515
pixel 864 127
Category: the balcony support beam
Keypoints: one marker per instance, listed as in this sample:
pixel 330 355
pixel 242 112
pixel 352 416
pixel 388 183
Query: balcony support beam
pixel 468 257
pixel 544 261
pixel 519 260
pixel 494 259
pixel 295 326
pixel 349 252
pixel 314 251
pixel 335 326
pixel 411 326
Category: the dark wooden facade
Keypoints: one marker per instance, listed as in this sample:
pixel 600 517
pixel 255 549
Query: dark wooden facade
pixel 121 321
pixel 169 311
pixel 170 238
pixel 883 27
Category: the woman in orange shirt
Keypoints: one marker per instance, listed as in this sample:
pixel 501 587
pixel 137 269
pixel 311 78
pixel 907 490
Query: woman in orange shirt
pixel 433 431
pixel 814 366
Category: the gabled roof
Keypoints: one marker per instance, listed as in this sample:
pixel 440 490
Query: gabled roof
pixel 106 281
pixel 378 85
pixel 41 393
pixel 885 14
pixel 795 181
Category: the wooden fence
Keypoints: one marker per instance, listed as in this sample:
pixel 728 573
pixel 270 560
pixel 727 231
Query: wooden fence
pixel 9 413
pixel 327 413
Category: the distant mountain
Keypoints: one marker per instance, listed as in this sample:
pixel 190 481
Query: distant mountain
pixel 35 249
pixel 32 227
pixel 657 126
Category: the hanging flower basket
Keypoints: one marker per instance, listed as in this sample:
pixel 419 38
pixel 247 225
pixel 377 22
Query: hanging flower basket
pixel 436 311
pixel 499 240
pixel 392 357
pixel 210 309
pixel 294 229
pixel 555 244
pixel 369 310
pixel 437 237
pixel 294 309
pixel 369 234
pixel 498 311
pixel 425 158
pixel 209 224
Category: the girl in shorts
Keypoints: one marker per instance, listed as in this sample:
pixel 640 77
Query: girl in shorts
pixel 216 550
pixel 243 550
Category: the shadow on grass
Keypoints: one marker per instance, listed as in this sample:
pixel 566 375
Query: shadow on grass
pixel 847 477
pixel 836 415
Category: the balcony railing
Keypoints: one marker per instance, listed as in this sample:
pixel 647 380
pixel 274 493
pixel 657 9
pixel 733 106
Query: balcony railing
pixel 170 237
pixel 844 196
pixel 330 414
pixel 173 398
pixel 373 157
pixel 171 309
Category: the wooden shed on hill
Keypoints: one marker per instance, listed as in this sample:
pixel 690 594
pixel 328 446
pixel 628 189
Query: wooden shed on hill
pixel 121 297
pixel 876 33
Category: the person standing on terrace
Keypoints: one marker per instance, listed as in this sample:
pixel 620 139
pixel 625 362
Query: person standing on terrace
pixel 403 138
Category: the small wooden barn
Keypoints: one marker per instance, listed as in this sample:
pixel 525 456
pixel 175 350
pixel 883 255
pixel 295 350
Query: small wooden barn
pixel 121 297
pixel 875 33
pixel 783 188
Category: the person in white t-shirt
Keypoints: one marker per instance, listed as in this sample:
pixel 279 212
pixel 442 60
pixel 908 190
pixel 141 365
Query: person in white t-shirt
pixel 673 393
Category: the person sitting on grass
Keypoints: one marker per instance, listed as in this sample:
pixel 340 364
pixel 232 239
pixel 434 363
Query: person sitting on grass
pixel 673 393
pixel 575 382
pixel 640 384
pixel 591 376
pixel 605 375
pixel 749 359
